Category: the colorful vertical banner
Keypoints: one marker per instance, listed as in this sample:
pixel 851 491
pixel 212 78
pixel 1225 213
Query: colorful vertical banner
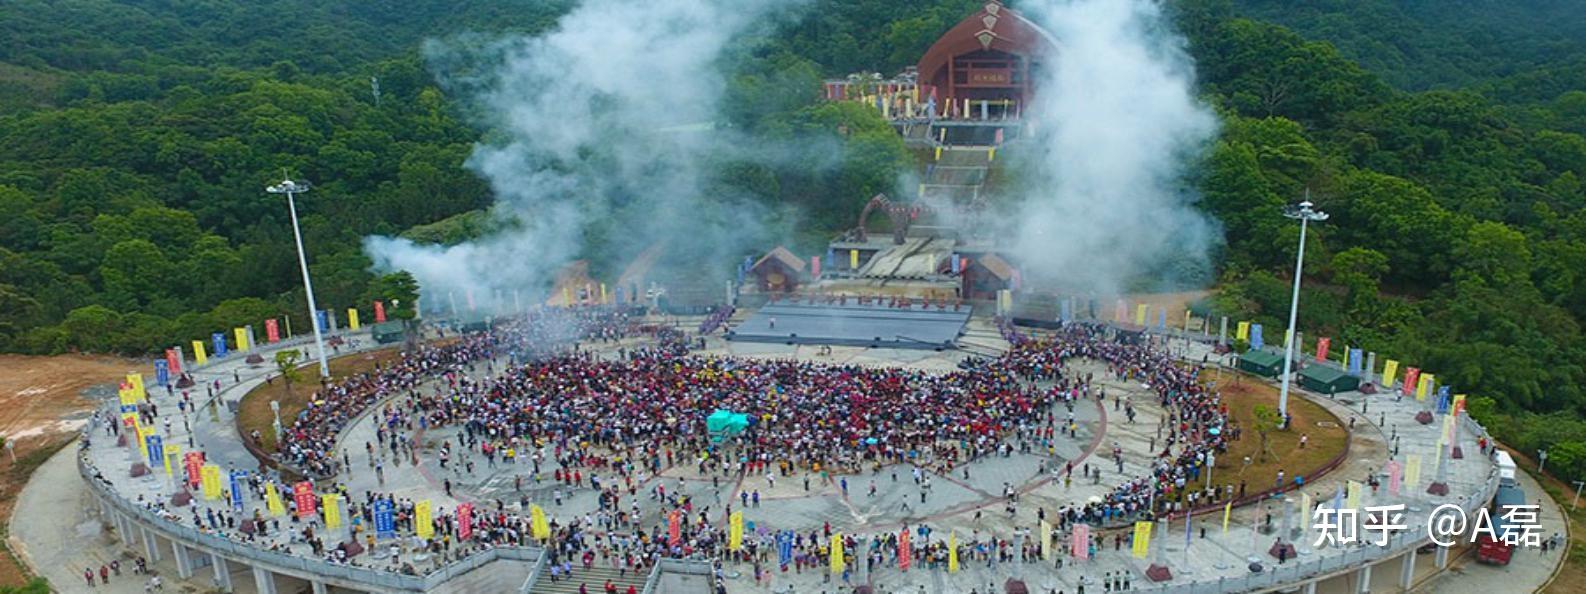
pixel 272 500
pixel 1046 540
pixel 423 521
pixel 242 339
pixel 1322 346
pixel 303 494
pixel 952 552
pixel 379 309
pixel 1122 310
pixel 674 528
pixel 352 318
pixel 1395 477
pixel 853 259
pixel 838 561
pixel 162 372
pixel 332 503
pixel 173 452
pixel 198 352
pixel 1079 542
pixel 1255 337
pixel 1412 470
pixel 735 531
pixel 135 382
pixel 815 266
pixel 1357 362
pixel 1352 501
pixel 905 556
pixel 1459 404
pixel 322 317
pixel 538 526
pixel 211 482
pixel 1243 331
pixel 1411 377
pixel 173 360
pixel 156 446
pixel 1142 539
pixel 1424 385
pixel 272 331
pixel 1139 314
pixel 193 462
pixel 384 518
pixel 239 480
pixel 218 339
pixel 1390 370
pixel 465 521
pixel 1228 511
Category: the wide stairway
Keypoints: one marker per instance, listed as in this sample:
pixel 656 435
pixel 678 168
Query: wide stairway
pixel 958 177
pixel 593 578
pixel 501 575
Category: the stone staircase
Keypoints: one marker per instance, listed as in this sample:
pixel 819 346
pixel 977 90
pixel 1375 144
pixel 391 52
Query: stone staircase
pixel 593 578
pixel 502 576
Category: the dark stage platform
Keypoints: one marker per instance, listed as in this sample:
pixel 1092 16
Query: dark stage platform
pixel 917 327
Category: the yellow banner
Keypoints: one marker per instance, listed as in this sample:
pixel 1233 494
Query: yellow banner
pixel 1139 314
pixel 198 352
pixel 735 531
pixel 567 297
pixel 603 298
pixel 1389 369
pixel 1412 470
pixel 352 318
pixel 853 259
pixel 1424 385
pixel 1046 540
pixel 538 527
pixel 1352 495
pixel 1228 510
pixel 331 503
pixel 242 338
pixel 272 500
pixel 135 380
pixel 173 452
pixel 210 481
pixel 836 560
pixel 1142 539
pixel 423 524
pixel 1243 332
pixel 952 552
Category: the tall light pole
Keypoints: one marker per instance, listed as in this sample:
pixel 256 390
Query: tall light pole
pixel 292 189
pixel 1305 214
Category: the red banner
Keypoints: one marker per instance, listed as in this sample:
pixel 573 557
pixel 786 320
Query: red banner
pixel 194 463
pixel 903 549
pixel 173 360
pixel 272 330
pixel 1411 376
pixel 379 312
pixel 674 529
pixel 465 521
pixel 303 492
pixel 1322 345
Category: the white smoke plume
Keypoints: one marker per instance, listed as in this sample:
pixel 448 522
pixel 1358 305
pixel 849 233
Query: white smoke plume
pixel 1103 203
pixel 601 133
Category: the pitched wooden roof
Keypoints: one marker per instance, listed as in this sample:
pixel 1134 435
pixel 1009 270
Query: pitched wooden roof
pixel 780 255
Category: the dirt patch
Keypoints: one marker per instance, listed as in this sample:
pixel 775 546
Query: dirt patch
pixel 1327 437
pixel 41 409
pixel 254 413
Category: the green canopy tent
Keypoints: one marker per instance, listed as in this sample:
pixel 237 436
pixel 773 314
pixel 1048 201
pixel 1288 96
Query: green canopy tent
pixel 1261 363
pixel 1326 380
pixel 387 332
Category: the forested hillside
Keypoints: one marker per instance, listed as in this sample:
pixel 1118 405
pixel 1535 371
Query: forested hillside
pixel 1445 137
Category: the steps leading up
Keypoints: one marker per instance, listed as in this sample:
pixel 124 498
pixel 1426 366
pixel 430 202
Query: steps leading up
pixel 594 579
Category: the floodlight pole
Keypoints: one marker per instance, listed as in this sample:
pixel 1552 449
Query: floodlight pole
pixel 1305 214
pixel 292 189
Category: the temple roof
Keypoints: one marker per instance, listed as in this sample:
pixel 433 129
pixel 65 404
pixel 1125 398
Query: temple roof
pixel 780 254
pixel 994 27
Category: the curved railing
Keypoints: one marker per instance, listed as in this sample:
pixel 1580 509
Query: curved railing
pixel 287 563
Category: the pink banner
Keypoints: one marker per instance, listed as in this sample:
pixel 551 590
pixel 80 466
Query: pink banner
pixel 379 312
pixel 815 266
pixel 1394 478
pixel 465 521
pixel 1079 545
pixel 272 330
pixel 1322 345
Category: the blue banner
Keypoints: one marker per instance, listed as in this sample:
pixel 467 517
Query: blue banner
pixel 384 519
pixel 1443 400
pixel 156 447
pixel 219 339
pixel 1356 361
pixel 1067 314
pixel 162 372
pixel 1255 337
pixel 784 548
pixel 1161 319
pixel 238 479
pixel 322 317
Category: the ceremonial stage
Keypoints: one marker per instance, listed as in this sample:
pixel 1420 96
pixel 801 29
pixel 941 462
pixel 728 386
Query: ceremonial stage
pixel 878 326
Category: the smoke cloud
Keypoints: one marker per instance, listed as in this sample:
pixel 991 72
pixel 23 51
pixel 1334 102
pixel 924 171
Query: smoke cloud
pixel 601 136
pixel 1103 206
